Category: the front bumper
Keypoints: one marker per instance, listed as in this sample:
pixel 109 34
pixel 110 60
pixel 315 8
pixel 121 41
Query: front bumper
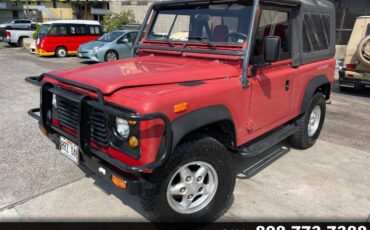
pixel 90 55
pixel 44 53
pixel 352 82
pixel 91 157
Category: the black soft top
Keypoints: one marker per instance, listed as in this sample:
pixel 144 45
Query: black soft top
pixel 301 8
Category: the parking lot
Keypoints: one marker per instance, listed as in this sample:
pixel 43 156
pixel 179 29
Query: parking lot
pixel 330 181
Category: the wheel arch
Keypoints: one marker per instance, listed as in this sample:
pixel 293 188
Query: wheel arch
pixel 19 39
pixel 215 121
pixel 318 84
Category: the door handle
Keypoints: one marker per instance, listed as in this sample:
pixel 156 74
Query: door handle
pixel 287 83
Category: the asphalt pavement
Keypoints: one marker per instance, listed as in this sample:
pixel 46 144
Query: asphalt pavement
pixel 330 181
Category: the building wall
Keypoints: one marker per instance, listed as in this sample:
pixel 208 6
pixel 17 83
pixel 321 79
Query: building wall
pixel 10 10
pixel 62 11
pixel 139 7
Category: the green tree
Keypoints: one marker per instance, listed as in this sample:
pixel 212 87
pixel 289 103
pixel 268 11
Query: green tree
pixel 38 27
pixel 118 20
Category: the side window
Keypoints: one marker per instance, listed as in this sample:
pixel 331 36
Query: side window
pixel 77 30
pixel 73 30
pixel 129 36
pixel 316 32
pixel 272 23
pixel 367 30
pixel 17 21
pixel 58 30
pixel 94 30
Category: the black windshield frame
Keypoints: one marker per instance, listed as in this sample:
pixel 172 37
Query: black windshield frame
pixel 152 12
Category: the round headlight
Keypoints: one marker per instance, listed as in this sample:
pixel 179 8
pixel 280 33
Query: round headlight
pixel 122 127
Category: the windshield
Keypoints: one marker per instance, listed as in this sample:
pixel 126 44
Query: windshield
pixel 109 37
pixel 43 30
pixel 211 23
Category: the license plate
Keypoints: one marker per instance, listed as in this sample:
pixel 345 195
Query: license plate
pixel 69 149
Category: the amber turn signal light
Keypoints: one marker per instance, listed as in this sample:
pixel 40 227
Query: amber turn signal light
pixel 133 142
pixel 119 182
pixel 180 107
pixel 132 122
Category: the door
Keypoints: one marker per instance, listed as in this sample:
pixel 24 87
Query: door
pixel 271 85
pixel 124 44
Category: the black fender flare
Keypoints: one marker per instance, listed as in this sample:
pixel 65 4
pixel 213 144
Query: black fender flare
pixel 194 120
pixel 311 88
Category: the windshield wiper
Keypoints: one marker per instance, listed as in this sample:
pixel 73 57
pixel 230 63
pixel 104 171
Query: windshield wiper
pixel 170 42
pixel 204 40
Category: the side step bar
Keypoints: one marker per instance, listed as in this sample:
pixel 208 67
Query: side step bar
pixel 268 141
pixel 247 168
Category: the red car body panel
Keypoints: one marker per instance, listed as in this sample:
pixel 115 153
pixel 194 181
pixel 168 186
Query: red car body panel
pixel 150 83
pixel 49 44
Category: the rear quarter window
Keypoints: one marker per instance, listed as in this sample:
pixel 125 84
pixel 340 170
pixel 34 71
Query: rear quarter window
pixel 367 30
pixel 316 32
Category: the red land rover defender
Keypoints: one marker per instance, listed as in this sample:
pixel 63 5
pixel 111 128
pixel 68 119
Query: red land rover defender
pixel 209 80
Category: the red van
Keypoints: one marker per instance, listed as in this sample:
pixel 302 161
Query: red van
pixel 63 37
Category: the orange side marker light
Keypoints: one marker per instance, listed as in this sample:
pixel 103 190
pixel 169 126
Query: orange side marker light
pixel 180 107
pixel 119 182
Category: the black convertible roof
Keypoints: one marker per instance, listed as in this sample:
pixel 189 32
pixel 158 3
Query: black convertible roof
pixel 306 4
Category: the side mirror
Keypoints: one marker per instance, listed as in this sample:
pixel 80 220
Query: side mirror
pixel 272 45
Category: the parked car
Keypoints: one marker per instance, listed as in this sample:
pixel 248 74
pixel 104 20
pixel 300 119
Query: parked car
pixel 63 37
pixel 166 124
pixel 109 47
pixel 356 71
pixel 2 34
pixel 22 24
pixel 15 37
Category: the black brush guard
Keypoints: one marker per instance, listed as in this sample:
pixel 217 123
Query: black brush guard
pixel 47 89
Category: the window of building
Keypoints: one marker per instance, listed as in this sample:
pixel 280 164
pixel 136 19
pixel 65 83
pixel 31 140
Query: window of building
pixel 272 23
pixel 142 3
pixel 316 32
pixel 55 4
pixel 128 3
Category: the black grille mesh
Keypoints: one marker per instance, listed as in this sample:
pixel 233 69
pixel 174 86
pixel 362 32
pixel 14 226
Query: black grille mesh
pixel 99 130
pixel 68 117
pixel 67 113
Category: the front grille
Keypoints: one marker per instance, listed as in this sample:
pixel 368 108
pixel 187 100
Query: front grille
pixel 99 129
pixel 67 113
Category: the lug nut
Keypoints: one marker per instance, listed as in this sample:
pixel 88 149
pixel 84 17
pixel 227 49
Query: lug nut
pixel 188 178
pixel 182 190
pixel 190 196
pixel 199 179
pixel 200 189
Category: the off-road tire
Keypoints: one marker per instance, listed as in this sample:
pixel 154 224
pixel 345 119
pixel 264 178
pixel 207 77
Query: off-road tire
pixel 301 139
pixel 199 148
pixel 61 52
